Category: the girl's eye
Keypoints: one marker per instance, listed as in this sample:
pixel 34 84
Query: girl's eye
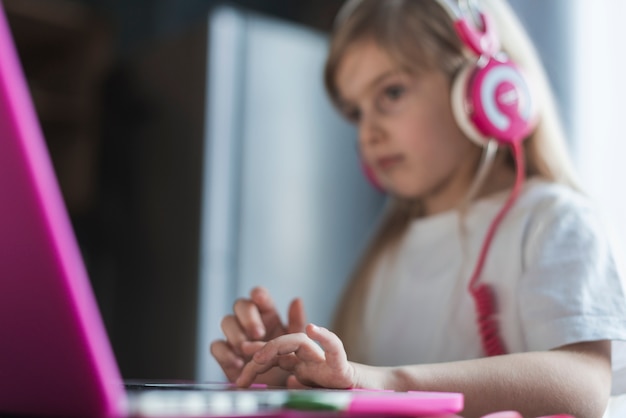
pixel 390 99
pixel 394 92
pixel 353 115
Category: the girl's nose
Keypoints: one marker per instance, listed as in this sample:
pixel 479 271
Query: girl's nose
pixel 370 131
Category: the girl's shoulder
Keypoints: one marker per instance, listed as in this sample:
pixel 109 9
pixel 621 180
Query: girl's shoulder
pixel 553 212
pixel 543 205
pixel 545 198
pixel 538 197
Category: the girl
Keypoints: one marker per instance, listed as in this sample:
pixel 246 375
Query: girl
pixel 476 281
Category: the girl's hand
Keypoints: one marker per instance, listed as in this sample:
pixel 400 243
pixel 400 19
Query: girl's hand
pixel 254 320
pixel 309 364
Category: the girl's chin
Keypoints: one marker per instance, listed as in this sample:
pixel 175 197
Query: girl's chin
pixel 404 192
pixel 404 186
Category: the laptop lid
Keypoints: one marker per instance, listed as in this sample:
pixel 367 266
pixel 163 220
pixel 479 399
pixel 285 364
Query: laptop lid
pixel 55 358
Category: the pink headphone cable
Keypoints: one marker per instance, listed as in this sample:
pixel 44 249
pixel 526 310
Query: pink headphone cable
pixel 483 294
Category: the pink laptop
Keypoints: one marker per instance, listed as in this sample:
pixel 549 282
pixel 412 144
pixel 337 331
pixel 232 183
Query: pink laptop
pixel 55 357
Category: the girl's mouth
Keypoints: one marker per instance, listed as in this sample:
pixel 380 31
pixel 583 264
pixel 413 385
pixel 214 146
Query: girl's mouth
pixel 389 162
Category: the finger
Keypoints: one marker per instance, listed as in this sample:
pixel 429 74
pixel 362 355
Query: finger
pixel 248 316
pixel 251 370
pixel 288 362
pixel 296 317
pixel 248 348
pixel 234 333
pixel 294 383
pixel 330 343
pixel 228 360
pixel 298 343
pixel 267 309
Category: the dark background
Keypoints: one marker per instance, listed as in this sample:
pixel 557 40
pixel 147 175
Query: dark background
pixel 119 89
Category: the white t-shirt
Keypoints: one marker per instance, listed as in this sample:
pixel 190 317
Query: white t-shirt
pixel 550 265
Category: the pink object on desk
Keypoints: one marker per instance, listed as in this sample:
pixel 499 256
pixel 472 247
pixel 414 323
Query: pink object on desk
pixel 398 403
pixel 503 414
pixel 515 414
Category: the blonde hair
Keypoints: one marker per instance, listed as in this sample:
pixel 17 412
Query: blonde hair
pixel 419 36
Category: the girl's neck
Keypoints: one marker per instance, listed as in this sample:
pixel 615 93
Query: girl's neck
pixel 500 177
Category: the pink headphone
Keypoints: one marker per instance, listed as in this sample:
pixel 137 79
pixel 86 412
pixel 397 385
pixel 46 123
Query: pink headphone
pixel 491 98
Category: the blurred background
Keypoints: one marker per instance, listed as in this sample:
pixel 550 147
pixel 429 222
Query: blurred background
pixel 198 155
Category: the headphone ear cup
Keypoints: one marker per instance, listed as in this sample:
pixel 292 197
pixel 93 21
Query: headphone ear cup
pixel 371 177
pixel 493 100
pixel 460 105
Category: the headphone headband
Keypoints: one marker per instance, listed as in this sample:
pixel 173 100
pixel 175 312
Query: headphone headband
pixel 458 10
pixel 474 27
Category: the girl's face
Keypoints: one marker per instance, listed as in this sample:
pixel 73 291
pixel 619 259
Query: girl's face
pixel 407 133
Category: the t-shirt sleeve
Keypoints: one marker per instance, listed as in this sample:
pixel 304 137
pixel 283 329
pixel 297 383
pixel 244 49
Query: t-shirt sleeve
pixel 570 290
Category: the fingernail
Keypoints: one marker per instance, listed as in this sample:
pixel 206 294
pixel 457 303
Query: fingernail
pixel 258 332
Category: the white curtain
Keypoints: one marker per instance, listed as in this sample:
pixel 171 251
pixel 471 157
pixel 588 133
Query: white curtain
pixel 599 112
